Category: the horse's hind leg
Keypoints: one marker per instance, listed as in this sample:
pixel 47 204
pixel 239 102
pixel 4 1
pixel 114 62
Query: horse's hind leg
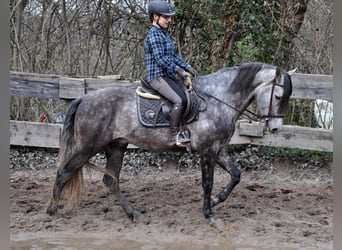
pixel 114 154
pixel 227 164
pixel 69 171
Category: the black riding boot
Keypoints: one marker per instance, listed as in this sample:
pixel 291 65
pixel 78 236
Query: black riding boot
pixel 177 137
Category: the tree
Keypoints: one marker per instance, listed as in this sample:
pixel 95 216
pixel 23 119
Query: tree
pixel 100 37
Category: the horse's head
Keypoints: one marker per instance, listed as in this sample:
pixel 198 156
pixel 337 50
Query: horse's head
pixel 272 96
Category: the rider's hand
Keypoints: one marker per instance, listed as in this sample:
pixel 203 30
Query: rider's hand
pixel 188 83
pixel 182 74
pixel 193 72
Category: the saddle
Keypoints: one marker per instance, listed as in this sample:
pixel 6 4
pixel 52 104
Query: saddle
pixel 154 110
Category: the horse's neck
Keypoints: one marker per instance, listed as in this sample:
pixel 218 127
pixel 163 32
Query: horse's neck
pixel 219 87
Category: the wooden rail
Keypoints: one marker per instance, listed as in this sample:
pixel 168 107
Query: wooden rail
pixel 47 135
pixel 305 86
pixel 50 86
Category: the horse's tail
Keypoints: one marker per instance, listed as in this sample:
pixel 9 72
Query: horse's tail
pixel 67 139
pixel 72 189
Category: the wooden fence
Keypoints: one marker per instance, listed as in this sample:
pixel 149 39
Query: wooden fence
pixel 51 86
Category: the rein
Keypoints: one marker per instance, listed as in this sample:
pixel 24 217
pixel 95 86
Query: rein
pixel 250 113
pixel 230 106
pixel 239 111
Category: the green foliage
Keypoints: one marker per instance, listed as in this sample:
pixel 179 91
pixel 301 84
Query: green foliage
pixel 235 31
pixel 258 32
pixel 214 34
pixel 245 51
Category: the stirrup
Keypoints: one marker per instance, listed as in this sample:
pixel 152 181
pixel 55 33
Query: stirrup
pixel 182 138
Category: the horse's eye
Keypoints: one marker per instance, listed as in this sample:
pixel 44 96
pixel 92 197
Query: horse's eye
pixel 277 97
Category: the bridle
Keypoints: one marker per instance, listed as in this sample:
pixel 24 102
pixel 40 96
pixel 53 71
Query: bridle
pixel 249 113
pixel 270 107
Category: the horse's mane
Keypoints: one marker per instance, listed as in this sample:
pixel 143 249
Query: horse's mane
pixel 245 76
pixel 287 93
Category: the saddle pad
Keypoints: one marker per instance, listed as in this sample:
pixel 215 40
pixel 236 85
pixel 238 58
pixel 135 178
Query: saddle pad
pixel 150 112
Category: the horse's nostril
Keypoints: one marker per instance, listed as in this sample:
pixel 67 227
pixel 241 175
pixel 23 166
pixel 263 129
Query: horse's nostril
pixel 274 130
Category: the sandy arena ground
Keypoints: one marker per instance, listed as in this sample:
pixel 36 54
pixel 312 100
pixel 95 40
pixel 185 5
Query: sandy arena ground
pixel 289 206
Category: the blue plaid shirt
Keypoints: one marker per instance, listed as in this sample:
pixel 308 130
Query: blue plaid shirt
pixel 160 58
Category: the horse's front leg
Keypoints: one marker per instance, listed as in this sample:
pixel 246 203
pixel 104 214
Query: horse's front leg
pixel 227 164
pixel 207 184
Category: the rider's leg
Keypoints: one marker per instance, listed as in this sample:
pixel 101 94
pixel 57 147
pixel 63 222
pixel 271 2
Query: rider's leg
pixel 175 119
pixel 172 91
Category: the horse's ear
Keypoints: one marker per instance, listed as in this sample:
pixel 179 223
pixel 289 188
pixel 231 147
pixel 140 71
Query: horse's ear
pixel 291 72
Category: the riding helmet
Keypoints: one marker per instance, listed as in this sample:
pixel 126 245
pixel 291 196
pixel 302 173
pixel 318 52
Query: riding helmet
pixel 160 7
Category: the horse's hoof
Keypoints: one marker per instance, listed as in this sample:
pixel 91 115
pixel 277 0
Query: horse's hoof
pixel 107 180
pixel 216 223
pixel 140 219
pixel 53 213
pixel 51 210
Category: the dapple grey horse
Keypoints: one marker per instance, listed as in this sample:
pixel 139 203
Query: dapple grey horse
pixel 106 121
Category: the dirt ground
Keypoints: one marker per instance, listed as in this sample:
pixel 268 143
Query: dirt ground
pixel 289 206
